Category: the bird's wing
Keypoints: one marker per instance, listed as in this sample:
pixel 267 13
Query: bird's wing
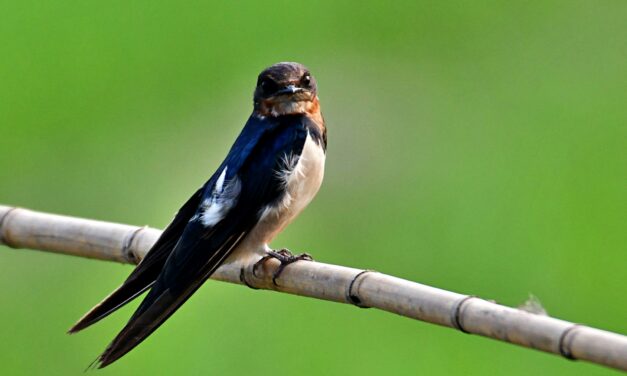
pixel 145 274
pixel 231 207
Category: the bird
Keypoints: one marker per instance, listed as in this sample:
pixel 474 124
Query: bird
pixel 271 173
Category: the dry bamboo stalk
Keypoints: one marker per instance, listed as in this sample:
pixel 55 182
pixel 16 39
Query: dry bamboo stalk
pixel 21 228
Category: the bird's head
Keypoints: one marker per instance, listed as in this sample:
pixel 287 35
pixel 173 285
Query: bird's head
pixel 285 89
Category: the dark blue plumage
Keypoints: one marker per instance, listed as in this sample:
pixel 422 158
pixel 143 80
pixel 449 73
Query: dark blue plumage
pixel 251 180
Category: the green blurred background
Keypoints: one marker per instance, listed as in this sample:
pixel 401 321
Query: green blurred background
pixel 474 146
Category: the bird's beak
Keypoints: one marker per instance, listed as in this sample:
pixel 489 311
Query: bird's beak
pixel 289 89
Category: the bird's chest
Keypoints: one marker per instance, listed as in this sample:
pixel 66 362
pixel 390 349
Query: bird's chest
pixel 301 177
pixel 304 180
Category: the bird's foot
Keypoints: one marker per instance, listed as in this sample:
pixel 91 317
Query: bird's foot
pixel 285 257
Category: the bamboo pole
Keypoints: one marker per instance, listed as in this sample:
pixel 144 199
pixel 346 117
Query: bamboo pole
pixel 21 228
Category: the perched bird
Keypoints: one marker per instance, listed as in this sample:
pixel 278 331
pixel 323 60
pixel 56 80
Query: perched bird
pixel 273 170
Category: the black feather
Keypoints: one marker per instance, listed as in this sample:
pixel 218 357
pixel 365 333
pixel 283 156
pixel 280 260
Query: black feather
pixel 146 273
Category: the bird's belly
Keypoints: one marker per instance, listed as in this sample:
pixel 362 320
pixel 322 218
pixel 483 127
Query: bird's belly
pixel 301 185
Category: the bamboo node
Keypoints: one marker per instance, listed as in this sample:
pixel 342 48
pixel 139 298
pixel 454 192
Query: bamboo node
pixel 127 247
pixel 351 297
pixel 4 239
pixel 456 313
pixel 566 340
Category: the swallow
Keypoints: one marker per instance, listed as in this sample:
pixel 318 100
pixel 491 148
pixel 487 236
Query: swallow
pixel 271 173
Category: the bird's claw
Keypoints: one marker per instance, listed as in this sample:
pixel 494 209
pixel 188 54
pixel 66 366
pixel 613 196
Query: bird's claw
pixel 285 257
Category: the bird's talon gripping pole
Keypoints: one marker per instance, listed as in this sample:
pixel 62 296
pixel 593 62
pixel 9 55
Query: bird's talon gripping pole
pixel 285 257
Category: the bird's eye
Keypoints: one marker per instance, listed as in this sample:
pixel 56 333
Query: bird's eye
pixel 268 85
pixel 306 80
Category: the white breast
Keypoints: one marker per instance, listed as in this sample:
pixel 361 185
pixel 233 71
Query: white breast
pixel 302 181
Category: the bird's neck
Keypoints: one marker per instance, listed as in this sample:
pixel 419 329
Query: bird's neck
pixel 281 107
pixel 315 115
pixel 311 109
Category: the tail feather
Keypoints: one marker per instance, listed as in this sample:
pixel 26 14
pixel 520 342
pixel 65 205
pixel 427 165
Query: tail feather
pixel 141 279
pixel 162 301
pixel 146 273
pixel 117 299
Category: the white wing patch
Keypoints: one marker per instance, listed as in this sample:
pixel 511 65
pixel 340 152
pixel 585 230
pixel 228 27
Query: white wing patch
pixel 220 181
pixel 223 198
